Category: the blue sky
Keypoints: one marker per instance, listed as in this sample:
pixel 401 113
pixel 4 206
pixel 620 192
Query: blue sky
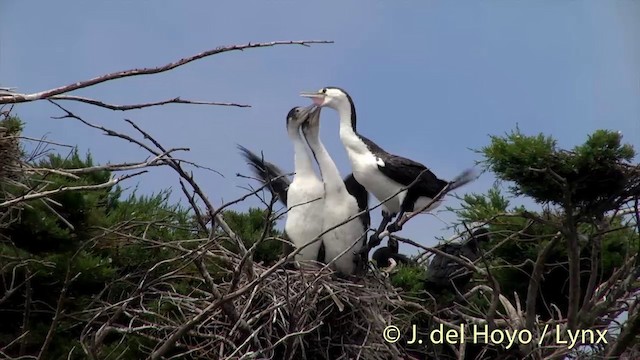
pixel 430 79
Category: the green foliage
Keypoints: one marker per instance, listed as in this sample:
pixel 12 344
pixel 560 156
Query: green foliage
pixel 478 207
pixel 66 236
pixel 12 124
pixel 585 177
pixel 409 278
pixel 250 226
pixel 514 259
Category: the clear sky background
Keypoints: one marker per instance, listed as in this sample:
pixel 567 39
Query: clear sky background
pixel 430 80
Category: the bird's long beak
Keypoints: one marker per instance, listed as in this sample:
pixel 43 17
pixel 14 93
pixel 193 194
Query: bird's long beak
pixel 312 115
pixel 306 111
pixel 317 97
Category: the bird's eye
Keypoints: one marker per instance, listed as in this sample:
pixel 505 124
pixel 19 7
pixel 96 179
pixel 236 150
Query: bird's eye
pixel 324 91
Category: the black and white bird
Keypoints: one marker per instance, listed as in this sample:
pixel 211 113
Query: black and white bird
pixel 303 196
pixel 340 204
pixel 388 257
pixel 383 174
pixel 445 273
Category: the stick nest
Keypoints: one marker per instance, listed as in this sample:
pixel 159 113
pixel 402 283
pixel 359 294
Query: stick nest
pixel 308 313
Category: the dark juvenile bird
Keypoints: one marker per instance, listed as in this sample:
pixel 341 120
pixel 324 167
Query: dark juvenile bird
pixel 444 273
pixel 383 174
pixel 388 257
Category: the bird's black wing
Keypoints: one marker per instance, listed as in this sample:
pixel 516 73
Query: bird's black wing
pixel 362 197
pixel 267 173
pixel 404 171
pixel 442 267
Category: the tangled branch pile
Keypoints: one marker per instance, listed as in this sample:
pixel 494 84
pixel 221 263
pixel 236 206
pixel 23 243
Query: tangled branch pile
pixel 273 312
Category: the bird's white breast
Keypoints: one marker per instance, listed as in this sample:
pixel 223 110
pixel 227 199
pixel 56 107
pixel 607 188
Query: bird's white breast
pixel 339 208
pixel 365 170
pixel 305 215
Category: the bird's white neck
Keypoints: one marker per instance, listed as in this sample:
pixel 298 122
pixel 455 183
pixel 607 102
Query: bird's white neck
pixel 302 160
pixel 330 174
pixel 348 135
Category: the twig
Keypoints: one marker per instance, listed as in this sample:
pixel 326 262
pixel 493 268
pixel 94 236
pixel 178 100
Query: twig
pixel 175 100
pixel 62 189
pixel 534 282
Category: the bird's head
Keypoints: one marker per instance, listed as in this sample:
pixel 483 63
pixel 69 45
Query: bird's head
pixel 311 127
pixel 299 115
pixel 332 97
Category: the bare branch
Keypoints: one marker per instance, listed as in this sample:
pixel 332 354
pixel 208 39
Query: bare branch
pixel 63 189
pixel 176 100
pixel 534 282
pixel 12 98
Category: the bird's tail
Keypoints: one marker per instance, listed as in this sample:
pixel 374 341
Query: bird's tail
pixel 268 173
pixel 463 179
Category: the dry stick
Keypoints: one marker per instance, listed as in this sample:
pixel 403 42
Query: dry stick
pixel 194 206
pixel 59 307
pixel 574 266
pixel 47 94
pixel 53 171
pixel 22 338
pixel 63 189
pixel 495 287
pixel 466 264
pixel 113 107
pixel 246 196
pixel 12 286
pixel 102 332
pixel 247 257
pixel 27 312
pixel 599 293
pixel 534 282
pixel 596 250
pixel 57 214
pixel 627 336
pixel 215 215
pixel 608 285
pixel 155 161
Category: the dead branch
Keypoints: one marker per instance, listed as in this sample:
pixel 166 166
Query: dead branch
pixel 63 189
pixel 534 282
pixel 176 100
pixel 13 97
